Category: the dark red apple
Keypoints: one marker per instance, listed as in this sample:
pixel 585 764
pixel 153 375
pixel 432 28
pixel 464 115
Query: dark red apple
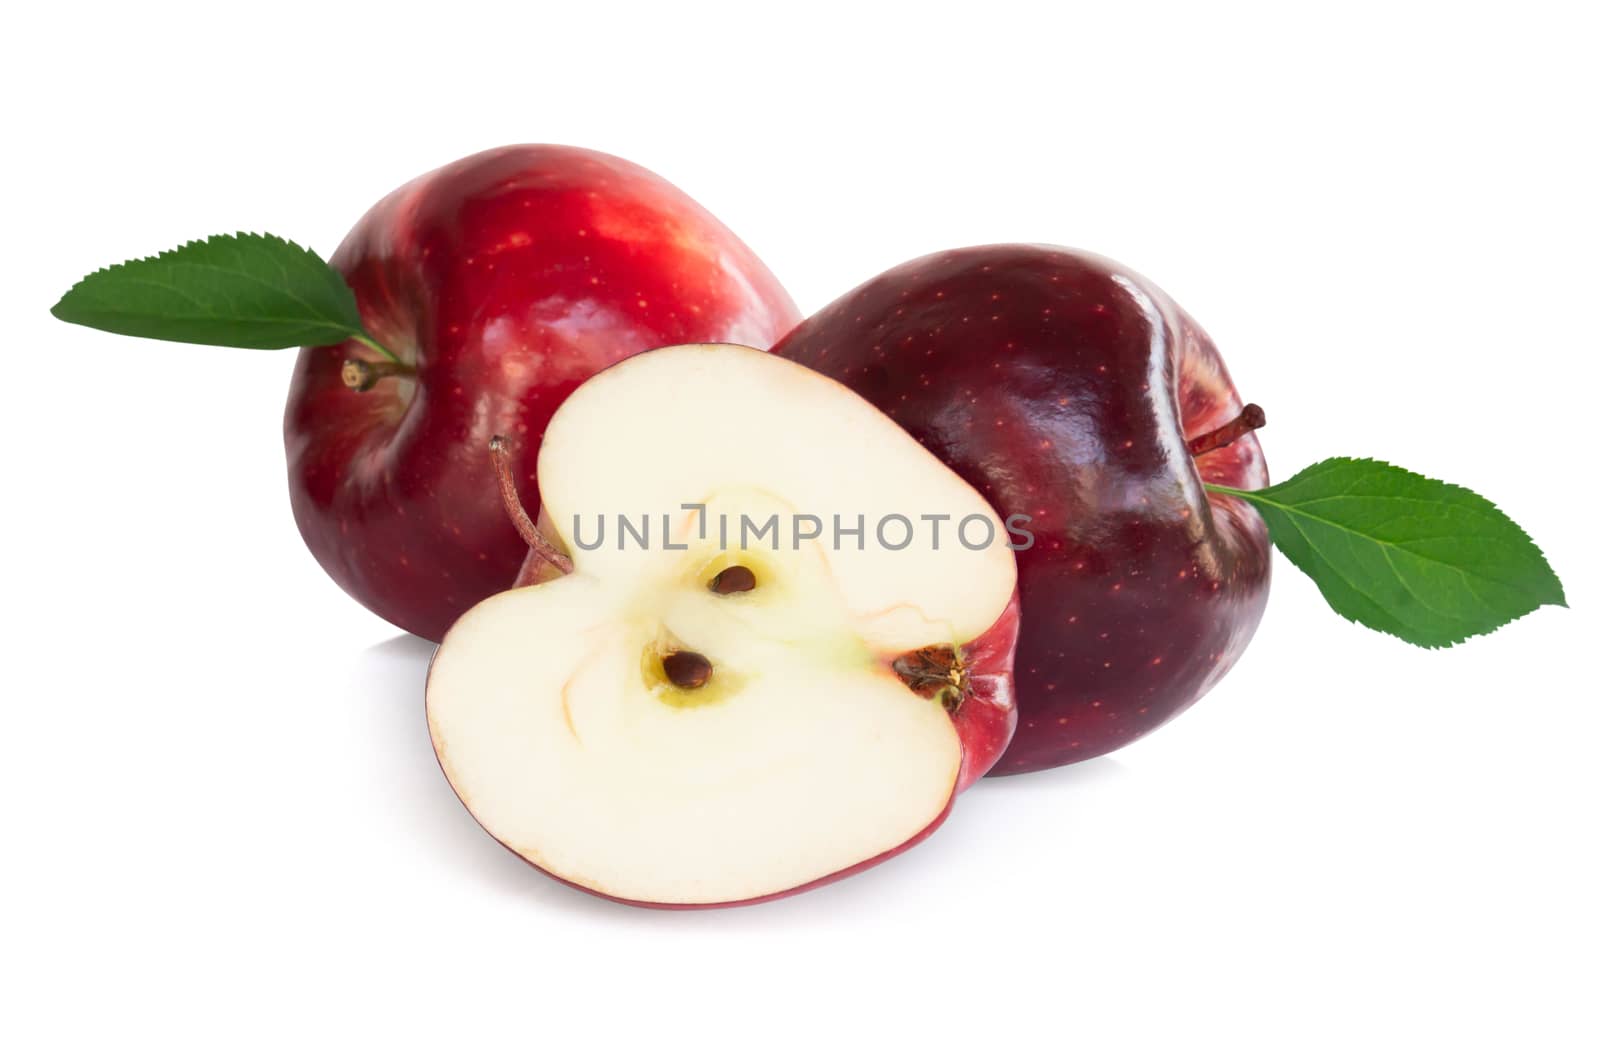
pixel 1066 388
pixel 502 281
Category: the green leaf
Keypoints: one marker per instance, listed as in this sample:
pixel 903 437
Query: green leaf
pixel 1430 562
pixel 240 290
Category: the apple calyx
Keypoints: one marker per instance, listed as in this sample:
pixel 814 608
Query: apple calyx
pixel 359 375
pixel 935 672
pixel 537 542
pixel 1249 419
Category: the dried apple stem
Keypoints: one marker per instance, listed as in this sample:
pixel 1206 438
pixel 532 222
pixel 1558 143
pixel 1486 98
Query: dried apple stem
pixel 529 530
pixel 1250 418
pixel 359 375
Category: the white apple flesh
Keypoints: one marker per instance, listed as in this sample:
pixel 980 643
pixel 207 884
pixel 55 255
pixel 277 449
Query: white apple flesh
pixel 710 717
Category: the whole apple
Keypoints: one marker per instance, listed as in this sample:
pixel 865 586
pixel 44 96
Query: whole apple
pixel 1066 388
pixel 502 282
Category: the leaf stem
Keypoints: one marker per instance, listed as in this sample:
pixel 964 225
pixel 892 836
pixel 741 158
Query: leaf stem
pixel 1217 488
pixel 365 338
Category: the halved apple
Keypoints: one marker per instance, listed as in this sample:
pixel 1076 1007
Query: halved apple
pixel 727 693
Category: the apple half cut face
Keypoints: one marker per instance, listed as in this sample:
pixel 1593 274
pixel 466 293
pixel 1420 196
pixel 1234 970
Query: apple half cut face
pixel 727 699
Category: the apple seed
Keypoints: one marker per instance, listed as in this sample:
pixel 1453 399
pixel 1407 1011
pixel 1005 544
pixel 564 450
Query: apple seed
pixel 686 669
pixel 736 579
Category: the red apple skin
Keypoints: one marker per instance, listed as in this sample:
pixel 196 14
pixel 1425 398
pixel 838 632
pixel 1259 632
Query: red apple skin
pixel 1063 387
pixel 986 720
pixel 506 279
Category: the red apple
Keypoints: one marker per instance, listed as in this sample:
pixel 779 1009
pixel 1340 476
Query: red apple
pixel 705 716
pixel 1066 388
pixel 502 281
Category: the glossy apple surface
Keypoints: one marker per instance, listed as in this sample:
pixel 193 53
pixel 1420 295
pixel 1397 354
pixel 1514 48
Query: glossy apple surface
pixel 1064 387
pixel 505 279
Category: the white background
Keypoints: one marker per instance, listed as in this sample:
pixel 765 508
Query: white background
pixel 224 829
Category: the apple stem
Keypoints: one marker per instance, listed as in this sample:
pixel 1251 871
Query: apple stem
pixel 1250 418
pixel 501 456
pixel 359 375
